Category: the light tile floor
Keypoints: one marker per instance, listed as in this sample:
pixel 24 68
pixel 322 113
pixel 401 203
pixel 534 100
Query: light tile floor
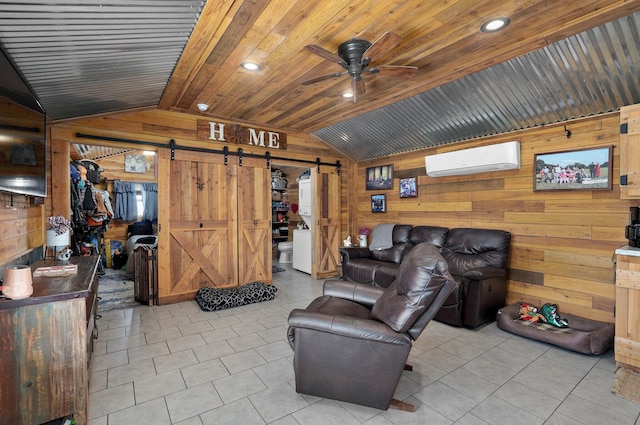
pixel 176 364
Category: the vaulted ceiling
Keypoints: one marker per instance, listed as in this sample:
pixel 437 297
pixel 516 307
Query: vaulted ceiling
pixel 555 61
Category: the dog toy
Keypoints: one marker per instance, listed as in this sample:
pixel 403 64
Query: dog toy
pixel 530 313
pixel 551 316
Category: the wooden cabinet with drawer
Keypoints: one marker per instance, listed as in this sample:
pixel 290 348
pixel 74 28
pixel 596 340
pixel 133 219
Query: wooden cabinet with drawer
pixel 627 340
pixel 46 342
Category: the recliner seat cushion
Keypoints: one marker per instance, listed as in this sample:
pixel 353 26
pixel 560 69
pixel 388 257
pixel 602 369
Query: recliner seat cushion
pixel 327 304
pixel 361 270
pixel 385 274
pixel 390 255
pixel 421 276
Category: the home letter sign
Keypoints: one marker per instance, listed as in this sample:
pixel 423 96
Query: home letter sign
pixel 240 135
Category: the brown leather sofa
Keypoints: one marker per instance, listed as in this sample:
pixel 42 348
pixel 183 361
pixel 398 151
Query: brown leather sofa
pixel 352 343
pixel 477 260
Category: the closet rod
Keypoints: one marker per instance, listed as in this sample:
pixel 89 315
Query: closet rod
pixel 172 145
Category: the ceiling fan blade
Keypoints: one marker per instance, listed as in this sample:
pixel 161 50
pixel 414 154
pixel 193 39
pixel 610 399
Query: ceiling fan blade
pixel 324 53
pixel 322 78
pixel 395 71
pixel 382 45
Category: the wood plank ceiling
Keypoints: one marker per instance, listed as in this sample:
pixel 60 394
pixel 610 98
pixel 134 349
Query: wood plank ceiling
pixel 442 39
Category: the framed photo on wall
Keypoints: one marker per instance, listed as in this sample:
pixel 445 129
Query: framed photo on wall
pixel 408 188
pixel 581 169
pixel 135 164
pixel 378 178
pixel 379 203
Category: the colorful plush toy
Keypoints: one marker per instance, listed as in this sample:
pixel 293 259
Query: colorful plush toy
pixel 530 313
pixel 551 316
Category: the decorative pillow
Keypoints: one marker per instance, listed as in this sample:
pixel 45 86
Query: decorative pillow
pixel 421 276
pixel 212 299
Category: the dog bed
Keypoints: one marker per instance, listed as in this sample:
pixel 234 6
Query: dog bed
pixel 582 335
pixel 212 299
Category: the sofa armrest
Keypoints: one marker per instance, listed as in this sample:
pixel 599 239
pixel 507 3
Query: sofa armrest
pixel 350 327
pixel 484 291
pixel 486 272
pixel 354 252
pixel 352 291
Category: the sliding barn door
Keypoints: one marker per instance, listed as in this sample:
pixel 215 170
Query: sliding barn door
pixel 197 224
pixel 327 226
pixel 254 221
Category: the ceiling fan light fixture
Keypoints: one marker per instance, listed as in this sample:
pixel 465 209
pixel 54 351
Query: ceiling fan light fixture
pixel 202 107
pixel 495 24
pixel 251 66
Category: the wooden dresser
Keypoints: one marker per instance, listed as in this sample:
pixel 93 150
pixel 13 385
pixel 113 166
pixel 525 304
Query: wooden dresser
pixel 627 341
pixel 46 342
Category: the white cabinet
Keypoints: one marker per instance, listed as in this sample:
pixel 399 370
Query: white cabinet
pixel 305 200
pixel 302 250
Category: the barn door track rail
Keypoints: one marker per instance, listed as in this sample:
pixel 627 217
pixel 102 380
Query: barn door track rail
pixel 172 146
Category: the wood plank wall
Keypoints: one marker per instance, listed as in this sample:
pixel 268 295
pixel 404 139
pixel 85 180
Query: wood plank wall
pixel 562 241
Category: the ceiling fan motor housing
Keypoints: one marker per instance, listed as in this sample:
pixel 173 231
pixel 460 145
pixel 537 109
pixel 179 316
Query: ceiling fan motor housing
pixel 351 52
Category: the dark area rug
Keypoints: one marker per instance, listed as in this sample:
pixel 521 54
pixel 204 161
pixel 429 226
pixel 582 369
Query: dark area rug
pixel 115 291
pixel 212 299
pixel 277 269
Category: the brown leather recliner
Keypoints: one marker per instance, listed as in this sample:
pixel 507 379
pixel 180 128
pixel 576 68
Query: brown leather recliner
pixel 352 343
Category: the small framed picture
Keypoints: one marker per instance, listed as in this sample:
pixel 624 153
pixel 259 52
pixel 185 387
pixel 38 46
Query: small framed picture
pixel 408 188
pixel 135 164
pixel 379 178
pixel 379 203
pixel 583 169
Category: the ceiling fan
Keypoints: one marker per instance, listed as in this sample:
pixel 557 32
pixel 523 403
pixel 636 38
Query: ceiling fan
pixel 355 56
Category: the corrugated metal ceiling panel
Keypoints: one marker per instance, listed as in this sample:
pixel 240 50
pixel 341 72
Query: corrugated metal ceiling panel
pixel 79 56
pixel 591 73
pixel 96 152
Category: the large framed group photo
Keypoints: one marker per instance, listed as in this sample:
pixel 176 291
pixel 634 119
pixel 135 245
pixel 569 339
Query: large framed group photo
pixel 580 169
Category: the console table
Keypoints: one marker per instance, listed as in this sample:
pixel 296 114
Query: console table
pixel 46 342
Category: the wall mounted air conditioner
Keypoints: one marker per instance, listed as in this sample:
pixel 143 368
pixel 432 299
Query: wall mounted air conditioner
pixel 501 156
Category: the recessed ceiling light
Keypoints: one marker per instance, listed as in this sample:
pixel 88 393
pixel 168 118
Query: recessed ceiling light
pixel 495 24
pixel 347 95
pixel 202 107
pixel 251 66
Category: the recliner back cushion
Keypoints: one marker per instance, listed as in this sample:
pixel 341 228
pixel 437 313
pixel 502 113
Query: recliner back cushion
pixel 401 233
pixel 421 276
pixel 435 235
pixel 400 239
pixel 467 249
